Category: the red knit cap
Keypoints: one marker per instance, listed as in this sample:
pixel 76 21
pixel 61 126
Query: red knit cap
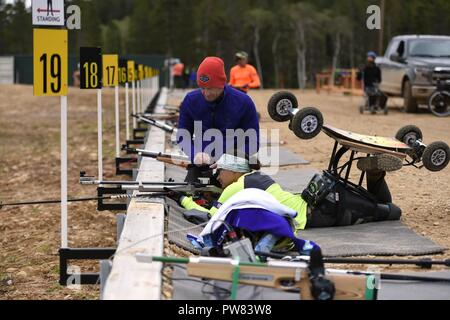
pixel 211 73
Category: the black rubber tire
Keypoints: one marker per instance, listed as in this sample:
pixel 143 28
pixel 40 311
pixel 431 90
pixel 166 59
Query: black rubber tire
pixel 386 111
pixel 443 96
pixel 277 98
pixel 361 109
pixel 436 156
pixel 403 133
pixel 410 103
pixel 314 127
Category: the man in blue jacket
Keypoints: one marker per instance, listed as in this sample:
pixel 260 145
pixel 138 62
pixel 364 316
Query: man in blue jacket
pixel 216 115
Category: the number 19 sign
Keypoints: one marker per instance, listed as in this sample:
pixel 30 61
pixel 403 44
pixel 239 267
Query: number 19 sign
pixel 50 62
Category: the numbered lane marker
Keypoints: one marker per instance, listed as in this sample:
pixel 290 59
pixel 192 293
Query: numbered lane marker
pixel 91 68
pixel 50 62
pixel 123 76
pixel 140 72
pixel 110 70
pixel 130 70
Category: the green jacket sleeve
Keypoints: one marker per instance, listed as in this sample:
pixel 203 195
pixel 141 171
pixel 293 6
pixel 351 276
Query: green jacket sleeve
pixel 231 190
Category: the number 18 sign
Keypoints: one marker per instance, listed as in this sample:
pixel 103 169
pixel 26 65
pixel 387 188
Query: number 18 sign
pixel 50 62
pixel 91 68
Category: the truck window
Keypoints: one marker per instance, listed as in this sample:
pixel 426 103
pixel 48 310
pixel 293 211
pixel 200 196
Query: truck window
pixel 401 49
pixel 433 48
pixel 392 48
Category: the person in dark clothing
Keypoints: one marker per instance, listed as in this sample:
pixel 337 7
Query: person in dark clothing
pixel 371 76
pixel 216 108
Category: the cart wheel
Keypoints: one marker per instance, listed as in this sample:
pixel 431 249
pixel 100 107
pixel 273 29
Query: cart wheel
pixel 307 123
pixel 436 156
pixel 281 106
pixel 386 111
pixel 409 135
pixel 361 109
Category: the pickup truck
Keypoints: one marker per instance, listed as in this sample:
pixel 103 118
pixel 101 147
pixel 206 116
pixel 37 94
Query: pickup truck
pixel 412 66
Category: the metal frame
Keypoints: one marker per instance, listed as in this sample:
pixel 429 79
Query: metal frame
pixel 137 136
pixel 66 254
pixel 136 142
pixel 101 206
pixel 333 167
pixel 120 171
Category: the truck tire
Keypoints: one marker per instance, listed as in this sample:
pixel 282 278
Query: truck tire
pixel 410 103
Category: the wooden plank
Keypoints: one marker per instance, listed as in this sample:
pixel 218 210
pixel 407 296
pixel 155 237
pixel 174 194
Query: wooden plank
pixel 358 147
pixel 142 233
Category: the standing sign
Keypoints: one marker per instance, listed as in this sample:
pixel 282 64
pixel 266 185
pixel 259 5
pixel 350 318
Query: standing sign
pixel 48 12
pixel 90 68
pixel 110 70
pixel 50 62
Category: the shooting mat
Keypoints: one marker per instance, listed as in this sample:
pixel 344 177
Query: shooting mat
pixel 388 238
pixel 380 238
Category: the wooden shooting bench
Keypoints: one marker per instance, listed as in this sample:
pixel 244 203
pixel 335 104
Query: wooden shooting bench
pixel 349 83
pixel 142 233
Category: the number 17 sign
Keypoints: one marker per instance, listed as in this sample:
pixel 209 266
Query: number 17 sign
pixel 50 62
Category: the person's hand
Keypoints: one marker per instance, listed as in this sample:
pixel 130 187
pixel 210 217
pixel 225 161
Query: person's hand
pixel 174 195
pixel 202 159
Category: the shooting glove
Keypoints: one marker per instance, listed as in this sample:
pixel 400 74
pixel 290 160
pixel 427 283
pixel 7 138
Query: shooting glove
pixel 174 195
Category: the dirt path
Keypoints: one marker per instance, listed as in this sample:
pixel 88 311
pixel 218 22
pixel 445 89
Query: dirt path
pixel 30 169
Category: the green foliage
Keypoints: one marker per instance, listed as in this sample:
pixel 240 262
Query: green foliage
pixel 16 36
pixel 193 29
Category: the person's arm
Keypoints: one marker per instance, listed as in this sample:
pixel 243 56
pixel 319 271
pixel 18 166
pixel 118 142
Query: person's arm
pixel 232 78
pixel 189 204
pixel 379 75
pixel 186 129
pixel 250 121
pixel 255 80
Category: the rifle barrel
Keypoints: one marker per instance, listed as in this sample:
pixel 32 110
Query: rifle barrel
pixel 425 263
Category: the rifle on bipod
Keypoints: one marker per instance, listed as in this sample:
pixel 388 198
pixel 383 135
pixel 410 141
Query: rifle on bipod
pixel 422 263
pixel 309 278
pixel 177 160
pixel 160 116
pixel 187 188
pixel 158 124
pixel 58 201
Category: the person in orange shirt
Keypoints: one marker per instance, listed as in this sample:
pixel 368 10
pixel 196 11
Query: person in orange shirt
pixel 177 72
pixel 244 76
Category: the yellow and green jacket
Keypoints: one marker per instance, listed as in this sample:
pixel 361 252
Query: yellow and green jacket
pixel 260 181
